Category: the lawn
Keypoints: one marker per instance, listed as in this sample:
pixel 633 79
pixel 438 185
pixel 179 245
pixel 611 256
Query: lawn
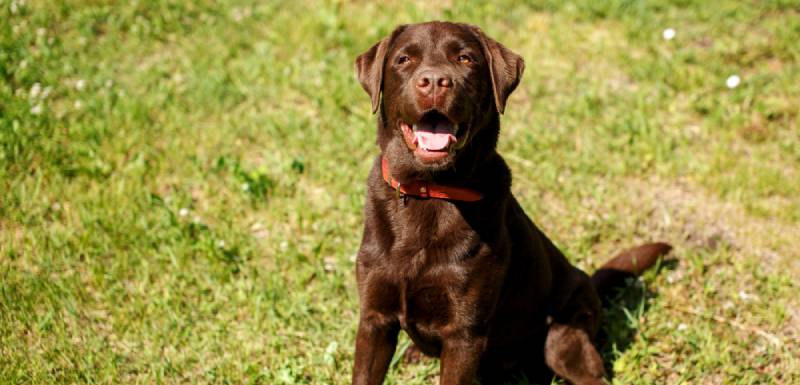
pixel 182 183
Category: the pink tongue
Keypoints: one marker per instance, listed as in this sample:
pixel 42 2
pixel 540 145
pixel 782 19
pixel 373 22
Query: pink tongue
pixel 434 140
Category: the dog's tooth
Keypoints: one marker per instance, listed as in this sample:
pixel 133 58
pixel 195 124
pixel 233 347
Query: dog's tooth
pixel 414 127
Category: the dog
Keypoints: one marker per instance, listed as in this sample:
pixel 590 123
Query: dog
pixel 447 254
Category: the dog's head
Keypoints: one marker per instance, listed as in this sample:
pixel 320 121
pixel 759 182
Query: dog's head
pixel 437 86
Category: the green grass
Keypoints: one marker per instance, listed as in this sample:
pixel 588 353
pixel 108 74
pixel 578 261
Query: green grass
pixel 181 184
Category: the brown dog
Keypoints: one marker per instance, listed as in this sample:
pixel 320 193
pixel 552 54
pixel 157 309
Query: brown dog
pixel 448 255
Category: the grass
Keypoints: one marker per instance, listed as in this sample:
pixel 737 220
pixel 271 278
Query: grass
pixel 181 184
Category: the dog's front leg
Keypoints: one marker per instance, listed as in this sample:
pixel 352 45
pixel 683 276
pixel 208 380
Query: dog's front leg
pixel 375 344
pixel 460 358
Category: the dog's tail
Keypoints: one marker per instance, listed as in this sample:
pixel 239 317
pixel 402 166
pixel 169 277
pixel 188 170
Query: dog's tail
pixel 628 264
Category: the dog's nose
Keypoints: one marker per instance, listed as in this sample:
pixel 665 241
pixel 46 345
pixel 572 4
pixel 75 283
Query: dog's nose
pixel 428 81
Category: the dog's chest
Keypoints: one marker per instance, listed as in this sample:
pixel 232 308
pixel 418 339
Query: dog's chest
pixel 433 263
pixel 427 298
pixel 430 270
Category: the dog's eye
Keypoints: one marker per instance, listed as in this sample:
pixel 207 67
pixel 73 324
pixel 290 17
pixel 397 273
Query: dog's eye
pixel 403 59
pixel 464 59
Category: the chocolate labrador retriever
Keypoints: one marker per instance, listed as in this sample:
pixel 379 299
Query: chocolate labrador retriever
pixel 448 255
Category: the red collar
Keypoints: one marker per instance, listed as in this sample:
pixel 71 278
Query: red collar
pixel 424 189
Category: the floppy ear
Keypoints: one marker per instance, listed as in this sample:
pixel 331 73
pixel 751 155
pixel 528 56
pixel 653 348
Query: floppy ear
pixel 369 67
pixel 505 68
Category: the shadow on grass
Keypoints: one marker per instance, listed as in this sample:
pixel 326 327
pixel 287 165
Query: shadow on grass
pixel 621 318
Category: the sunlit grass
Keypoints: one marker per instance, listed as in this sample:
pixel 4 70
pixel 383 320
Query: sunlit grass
pixel 181 184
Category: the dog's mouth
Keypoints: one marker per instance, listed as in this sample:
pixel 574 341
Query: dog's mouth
pixel 434 136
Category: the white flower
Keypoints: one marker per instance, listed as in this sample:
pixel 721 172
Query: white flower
pixel 80 84
pixel 40 32
pixel 46 92
pixel 668 34
pixel 183 212
pixel 284 245
pixel 78 104
pixel 238 14
pixel 35 89
pixel 745 296
pixel 733 81
pixel 245 187
pixel 221 243
pixel 330 352
pixel 329 264
pixel 37 109
pixel 331 349
pixel 682 326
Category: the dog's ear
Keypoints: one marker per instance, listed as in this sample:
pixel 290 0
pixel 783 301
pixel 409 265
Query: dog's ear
pixel 369 67
pixel 505 67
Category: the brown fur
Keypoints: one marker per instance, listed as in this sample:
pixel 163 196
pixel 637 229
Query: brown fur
pixel 474 283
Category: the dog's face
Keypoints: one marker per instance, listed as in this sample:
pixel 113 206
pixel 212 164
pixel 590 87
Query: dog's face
pixel 441 83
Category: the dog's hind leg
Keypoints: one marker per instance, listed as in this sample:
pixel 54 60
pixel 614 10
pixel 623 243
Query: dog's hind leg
pixel 569 347
pixel 570 353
